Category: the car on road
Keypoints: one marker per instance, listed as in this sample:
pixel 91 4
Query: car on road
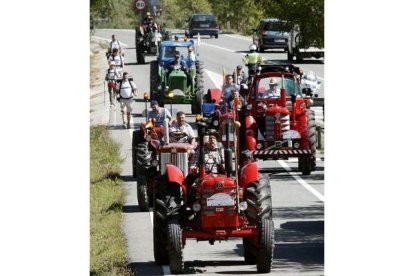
pixel 203 24
pixel 271 34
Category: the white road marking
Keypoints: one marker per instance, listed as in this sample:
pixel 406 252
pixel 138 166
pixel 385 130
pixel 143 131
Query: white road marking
pixel 238 37
pixel 216 78
pixel 221 48
pixel 301 181
pixel 107 40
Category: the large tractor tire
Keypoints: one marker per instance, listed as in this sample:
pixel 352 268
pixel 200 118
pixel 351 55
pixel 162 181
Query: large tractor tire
pixel 160 228
pixel 289 56
pixel 140 52
pixel 135 139
pixel 259 200
pixel 199 89
pixel 307 164
pixel 259 212
pixel 154 79
pixel 175 247
pixel 142 194
pixel 265 252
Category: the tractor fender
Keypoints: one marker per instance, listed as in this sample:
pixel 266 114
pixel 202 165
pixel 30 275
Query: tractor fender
pixel 214 95
pixel 248 174
pixel 251 139
pixel 250 122
pixel 175 175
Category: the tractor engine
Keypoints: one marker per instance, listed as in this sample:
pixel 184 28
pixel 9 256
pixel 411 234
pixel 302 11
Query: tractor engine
pixel 217 195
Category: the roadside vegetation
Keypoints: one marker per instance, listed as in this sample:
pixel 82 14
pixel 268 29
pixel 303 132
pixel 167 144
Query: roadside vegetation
pixel 107 243
pixel 240 16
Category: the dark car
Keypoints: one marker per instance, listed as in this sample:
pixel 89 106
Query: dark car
pixel 203 24
pixel 271 34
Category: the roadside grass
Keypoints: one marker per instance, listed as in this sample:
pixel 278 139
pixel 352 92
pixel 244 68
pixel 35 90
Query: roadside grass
pixel 107 243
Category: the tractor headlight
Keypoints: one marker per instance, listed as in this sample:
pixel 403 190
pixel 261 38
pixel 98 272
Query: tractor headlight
pixel 215 123
pixel 249 107
pixel 196 207
pixel 296 145
pixel 302 105
pixel 259 146
pixel 154 163
pixel 243 205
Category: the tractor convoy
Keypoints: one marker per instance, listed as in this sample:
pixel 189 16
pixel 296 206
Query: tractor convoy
pixel 214 191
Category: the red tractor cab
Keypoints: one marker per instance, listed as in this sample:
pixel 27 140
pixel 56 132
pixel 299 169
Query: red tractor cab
pixel 278 121
pixel 209 204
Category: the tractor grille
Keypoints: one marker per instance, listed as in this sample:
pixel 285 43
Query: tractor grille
pixel 270 128
pixel 179 160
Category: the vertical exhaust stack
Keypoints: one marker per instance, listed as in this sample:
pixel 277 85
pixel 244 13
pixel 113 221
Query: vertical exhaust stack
pixel 283 93
pixel 228 154
pixel 166 132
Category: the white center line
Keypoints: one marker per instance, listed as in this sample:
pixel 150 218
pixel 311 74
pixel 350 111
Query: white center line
pixel 301 181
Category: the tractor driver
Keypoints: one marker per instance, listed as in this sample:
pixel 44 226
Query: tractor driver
pixel 272 93
pixel 180 131
pixel 212 156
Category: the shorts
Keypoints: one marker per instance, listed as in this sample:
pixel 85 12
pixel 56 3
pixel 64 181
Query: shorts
pixel 126 105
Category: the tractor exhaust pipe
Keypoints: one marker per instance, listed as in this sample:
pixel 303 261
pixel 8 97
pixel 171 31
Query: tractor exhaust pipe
pixel 166 133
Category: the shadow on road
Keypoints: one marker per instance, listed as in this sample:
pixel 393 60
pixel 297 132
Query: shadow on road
pixel 142 268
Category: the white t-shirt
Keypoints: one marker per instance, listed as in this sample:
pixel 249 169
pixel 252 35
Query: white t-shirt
pixel 126 90
pixel 117 59
pixel 186 128
pixel 112 74
pixel 114 45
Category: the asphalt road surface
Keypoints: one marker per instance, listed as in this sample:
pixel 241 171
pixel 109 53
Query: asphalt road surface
pixel 298 201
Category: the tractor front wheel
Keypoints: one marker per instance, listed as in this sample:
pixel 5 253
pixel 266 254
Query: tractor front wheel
pixel 159 230
pixel 265 252
pixel 142 194
pixel 175 247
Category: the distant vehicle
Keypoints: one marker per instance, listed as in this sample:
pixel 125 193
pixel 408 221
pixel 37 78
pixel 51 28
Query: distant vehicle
pixel 204 24
pixel 271 34
pixel 304 45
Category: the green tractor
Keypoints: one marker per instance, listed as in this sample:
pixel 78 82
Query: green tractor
pixel 184 85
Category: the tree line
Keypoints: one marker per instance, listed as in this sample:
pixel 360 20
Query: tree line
pixel 237 15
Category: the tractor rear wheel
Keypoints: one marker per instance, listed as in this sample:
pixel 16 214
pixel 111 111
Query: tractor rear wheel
pixel 154 80
pixel 259 200
pixel 140 52
pixel 265 252
pixel 312 136
pixel 305 165
pixel 175 247
pixel 135 135
pixel 159 230
pixel 142 194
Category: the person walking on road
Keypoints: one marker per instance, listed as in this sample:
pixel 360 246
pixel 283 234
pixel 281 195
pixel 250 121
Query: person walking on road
pixel 111 77
pixel 114 44
pixel 126 92
pixel 159 114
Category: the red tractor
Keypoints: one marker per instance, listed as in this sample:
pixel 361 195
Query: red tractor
pixel 280 125
pixel 213 204
pixel 151 150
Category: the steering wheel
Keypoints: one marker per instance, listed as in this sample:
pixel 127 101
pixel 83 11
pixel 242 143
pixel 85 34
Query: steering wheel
pixel 179 137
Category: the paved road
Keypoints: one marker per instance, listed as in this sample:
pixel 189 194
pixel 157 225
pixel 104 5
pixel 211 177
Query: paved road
pixel 298 207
